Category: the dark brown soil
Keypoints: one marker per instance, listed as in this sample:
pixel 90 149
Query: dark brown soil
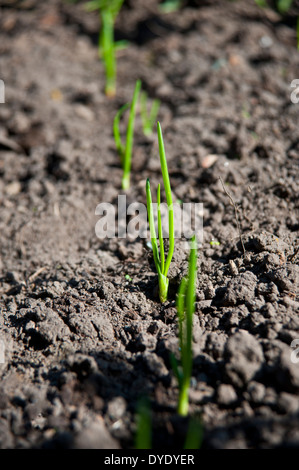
pixel 84 332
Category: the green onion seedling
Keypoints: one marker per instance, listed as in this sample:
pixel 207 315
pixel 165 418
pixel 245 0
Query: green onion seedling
pixel 194 434
pixel 144 431
pixel 185 311
pixel 148 119
pixel 161 264
pixel 143 436
pixel 108 10
pixel 125 151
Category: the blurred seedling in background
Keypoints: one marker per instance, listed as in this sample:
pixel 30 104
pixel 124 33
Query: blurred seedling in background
pixel 143 436
pixel 144 428
pixel 162 265
pixel 185 310
pixel 283 7
pixel 170 5
pixel 125 150
pixel 194 434
pixel 108 11
pixel 148 118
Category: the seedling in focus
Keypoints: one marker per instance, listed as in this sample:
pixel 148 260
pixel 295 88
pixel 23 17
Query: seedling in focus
pixel 161 264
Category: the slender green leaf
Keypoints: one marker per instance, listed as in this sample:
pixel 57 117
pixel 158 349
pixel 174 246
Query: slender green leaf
pixel 143 438
pixel 195 434
pixel 120 147
pixel 153 112
pixel 148 119
pixel 108 10
pixel 107 50
pixel 185 309
pixel 129 137
pixel 160 233
pixel 112 6
pixel 151 220
pixel 174 366
pixel 125 150
pixel 162 273
pixel 167 188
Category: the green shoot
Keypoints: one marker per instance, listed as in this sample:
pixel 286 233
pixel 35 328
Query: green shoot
pixel 284 5
pixel 125 151
pixel 120 147
pixel 170 6
pixel 214 243
pixel 194 434
pixel 143 437
pixel 261 3
pixel 161 264
pixel 108 10
pixel 144 431
pixel 185 310
pixel 148 119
